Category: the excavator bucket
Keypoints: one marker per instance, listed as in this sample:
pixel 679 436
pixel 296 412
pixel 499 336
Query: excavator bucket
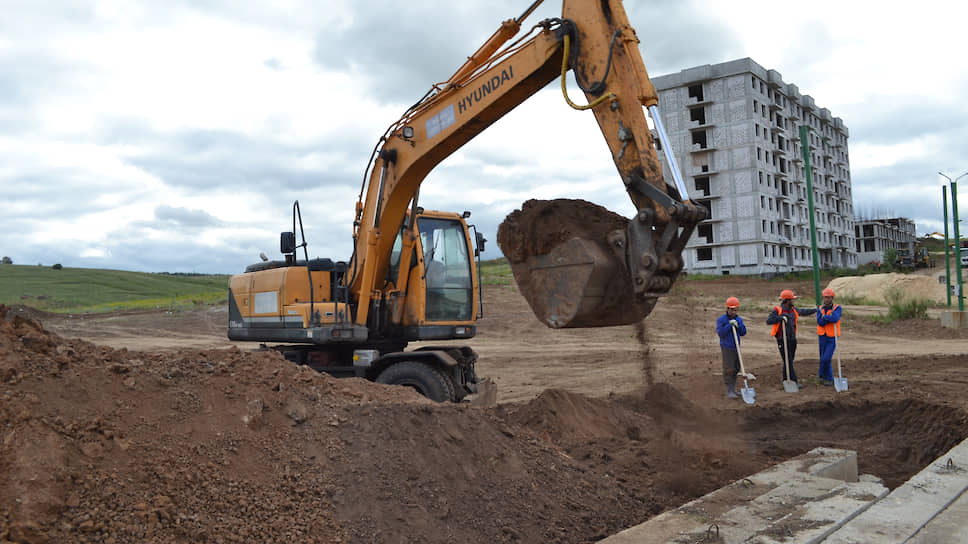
pixel 567 269
pixel 579 284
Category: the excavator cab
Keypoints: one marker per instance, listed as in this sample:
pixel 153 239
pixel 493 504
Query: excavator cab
pixel 448 269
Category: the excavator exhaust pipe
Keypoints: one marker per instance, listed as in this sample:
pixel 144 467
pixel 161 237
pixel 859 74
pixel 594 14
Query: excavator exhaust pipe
pixel 568 259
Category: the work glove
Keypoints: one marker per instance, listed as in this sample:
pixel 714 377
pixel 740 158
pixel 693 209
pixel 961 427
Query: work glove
pixel 734 323
pixel 784 318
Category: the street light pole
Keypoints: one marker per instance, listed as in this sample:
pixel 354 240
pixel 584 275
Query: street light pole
pixel 954 217
pixel 947 256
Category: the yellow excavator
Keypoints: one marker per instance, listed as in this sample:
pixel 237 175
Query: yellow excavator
pixel 412 275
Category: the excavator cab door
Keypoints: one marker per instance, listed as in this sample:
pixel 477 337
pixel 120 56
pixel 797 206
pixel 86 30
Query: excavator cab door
pixel 448 280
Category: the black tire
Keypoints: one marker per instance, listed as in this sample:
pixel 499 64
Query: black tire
pixel 427 380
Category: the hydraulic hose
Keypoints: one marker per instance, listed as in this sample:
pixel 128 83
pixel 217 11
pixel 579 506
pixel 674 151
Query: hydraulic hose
pixel 564 89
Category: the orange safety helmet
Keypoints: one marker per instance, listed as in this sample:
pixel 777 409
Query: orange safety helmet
pixel 828 292
pixel 732 302
pixel 787 294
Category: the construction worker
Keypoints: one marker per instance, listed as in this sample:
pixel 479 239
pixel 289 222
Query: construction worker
pixel 828 329
pixel 784 317
pixel 725 326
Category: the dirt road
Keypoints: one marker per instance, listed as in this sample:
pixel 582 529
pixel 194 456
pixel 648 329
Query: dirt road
pixel 158 431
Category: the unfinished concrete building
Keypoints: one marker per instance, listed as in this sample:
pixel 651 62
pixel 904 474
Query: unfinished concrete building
pixel 874 236
pixel 734 129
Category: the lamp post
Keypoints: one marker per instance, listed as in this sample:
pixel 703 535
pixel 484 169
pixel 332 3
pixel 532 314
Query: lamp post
pixel 947 255
pixel 954 217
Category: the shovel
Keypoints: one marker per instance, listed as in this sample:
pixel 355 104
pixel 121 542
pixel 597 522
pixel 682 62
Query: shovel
pixel 747 392
pixel 789 385
pixel 840 382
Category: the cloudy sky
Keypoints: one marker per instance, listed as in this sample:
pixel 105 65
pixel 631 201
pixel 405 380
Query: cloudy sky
pixel 175 136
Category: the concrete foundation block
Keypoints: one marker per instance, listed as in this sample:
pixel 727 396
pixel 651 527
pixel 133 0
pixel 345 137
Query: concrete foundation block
pixel 954 319
pixel 800 501
pixel 909 508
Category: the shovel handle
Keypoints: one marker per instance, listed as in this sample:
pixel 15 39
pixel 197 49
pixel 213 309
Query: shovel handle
pixel 786 351
pixel 738 352
pixel 837 351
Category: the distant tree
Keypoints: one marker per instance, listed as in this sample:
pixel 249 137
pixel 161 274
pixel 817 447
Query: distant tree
pixel 6 260
pixel 890 255
pixel 57 266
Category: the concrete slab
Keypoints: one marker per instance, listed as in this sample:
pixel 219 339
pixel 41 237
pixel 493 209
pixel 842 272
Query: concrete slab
pixel 790 500
pixel 914 505
pixel 948 527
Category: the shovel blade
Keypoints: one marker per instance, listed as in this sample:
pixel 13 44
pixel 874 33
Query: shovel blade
pixel 580 284
pixel 790 386
pixel 840 384
pixel 749 396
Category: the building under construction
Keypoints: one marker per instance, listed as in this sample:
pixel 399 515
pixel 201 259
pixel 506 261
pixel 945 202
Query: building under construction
pixel 874 236
pixel 734 127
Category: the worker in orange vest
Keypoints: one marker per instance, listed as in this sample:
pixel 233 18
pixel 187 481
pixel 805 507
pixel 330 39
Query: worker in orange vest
pixel 785 317
pixel 828 329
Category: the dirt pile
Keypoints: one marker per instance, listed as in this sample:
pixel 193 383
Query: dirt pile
pixel 105 445
pixel 878 287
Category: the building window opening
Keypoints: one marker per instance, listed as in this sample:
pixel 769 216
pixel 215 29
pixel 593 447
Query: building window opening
pixel 695 91
pixel 699 138
pixel 704 254
pixel 698 114
pixel 702 184
pixel 708 205
pixel 705 231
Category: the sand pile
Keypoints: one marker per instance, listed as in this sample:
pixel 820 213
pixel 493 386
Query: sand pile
pixel 875 287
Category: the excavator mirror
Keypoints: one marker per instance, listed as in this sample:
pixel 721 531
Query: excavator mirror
pixel 287 243
pixel 480 242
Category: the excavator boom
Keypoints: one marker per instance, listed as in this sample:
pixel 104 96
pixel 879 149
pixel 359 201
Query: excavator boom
pixel 587 279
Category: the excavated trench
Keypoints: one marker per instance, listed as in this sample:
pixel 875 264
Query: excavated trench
pixel 893 440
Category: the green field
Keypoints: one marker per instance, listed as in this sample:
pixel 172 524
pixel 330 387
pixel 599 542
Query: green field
pixel 88 290
pixel 82 290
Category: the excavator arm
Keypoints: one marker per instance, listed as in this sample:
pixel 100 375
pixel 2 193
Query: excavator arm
pixel 566 286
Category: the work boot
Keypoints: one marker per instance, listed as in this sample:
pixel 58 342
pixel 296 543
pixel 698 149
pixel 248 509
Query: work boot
pixel 731 392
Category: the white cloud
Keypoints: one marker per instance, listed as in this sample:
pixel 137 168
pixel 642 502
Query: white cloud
pixel 221 114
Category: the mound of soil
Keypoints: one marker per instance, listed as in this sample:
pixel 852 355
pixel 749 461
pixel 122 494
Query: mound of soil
pixel 878 287
pixel 106 445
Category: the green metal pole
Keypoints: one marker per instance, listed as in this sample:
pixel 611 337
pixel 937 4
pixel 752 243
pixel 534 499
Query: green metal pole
pixel 954 218
pixel 947 251
pixel 805 151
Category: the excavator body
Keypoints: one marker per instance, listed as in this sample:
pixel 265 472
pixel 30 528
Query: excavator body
pixel 602 270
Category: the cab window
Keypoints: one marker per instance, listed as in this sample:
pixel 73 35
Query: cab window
pixel 447 268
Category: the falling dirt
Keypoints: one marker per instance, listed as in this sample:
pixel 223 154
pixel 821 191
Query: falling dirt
pixel 99 444
pixel 648 364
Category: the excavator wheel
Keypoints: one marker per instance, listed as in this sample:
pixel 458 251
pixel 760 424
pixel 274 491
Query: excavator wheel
pixel 425 379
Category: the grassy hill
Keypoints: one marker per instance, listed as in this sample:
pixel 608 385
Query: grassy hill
pixel 79 290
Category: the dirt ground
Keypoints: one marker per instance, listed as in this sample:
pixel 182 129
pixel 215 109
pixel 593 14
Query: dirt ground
pixel 152 427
